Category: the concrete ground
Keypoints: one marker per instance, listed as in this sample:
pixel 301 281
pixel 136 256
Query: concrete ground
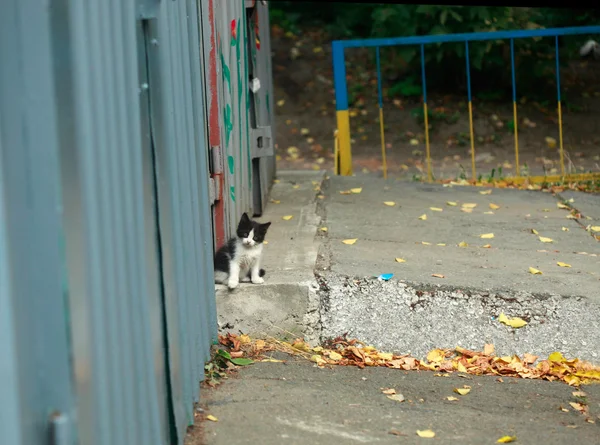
pixel 416 311
pixel 318 287
pixel 298 403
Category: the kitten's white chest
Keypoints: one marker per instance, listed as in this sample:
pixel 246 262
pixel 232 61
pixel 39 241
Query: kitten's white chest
pixel 247 257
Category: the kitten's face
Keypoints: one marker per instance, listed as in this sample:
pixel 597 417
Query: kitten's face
pixel 250 232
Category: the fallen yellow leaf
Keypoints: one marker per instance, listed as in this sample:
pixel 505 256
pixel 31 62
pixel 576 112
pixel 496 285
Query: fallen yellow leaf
pixel 441 244
pixel 486 192
pixel 435 355
pixel 534 271
pixel 350 241
pixel 451 398
pixel 543 239
pixel 561 264
pixel 579 394
pixel 494 206
pixel 297 186
pixel 244 339
pixel 535 232
pixel 280 102
pixel 396 397
pixel 560 205
pixel 436 209
pixel 212 418
pixel 507 439
pixel 488 349
pixel 564 229
pixel 275 201
pixel 486 235
pixel 356 190
pixel 578 406
pixel 287 217
pixel 451 203
pixel 423 217
pixel 428 434
pixel 304 131
pixel 425 243
pixel 335 356
pixel 323 229
pixel 389 203
pixel 462 391
pixel 469 205
pixel 487 246
pixel 318 359
pixel 512 322
pixel 400 260
pixel 595 228
pixel 462 244
pixel 345 192
pixel 437 275
pixel 271 360
pixel 389 391
pixel 461 368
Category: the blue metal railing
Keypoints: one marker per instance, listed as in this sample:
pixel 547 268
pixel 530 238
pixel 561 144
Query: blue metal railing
pixel 341 88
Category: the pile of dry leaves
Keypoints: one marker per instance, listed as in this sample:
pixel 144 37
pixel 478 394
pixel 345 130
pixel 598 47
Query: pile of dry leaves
pixel 344 352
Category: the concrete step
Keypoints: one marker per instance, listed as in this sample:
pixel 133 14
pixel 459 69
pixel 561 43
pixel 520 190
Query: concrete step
pixel 286 304
pixel 318 287
pixel 417 311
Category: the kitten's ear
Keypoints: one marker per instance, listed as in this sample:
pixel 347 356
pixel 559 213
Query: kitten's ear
pixel 265 226
pixel 244 219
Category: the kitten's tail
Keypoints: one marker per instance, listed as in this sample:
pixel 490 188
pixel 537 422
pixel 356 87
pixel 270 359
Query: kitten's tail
pixel 261 273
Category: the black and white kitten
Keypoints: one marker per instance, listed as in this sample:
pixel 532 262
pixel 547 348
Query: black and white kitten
pixel 240 256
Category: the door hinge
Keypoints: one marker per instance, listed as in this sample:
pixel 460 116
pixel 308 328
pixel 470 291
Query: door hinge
pixel 262 142
pixel 212 190
pixel 216 173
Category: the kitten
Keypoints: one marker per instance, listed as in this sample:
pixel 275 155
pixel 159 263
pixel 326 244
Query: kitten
pixel 240 256
pixel 590 47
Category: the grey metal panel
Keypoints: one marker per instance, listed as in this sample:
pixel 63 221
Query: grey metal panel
pixel 261 107
pixel 175 79
pixel 268 164
pixel 160 94
pixel 34 370
pixel 152 245
pixel 207 306
pixel 101 166
pixel 11 421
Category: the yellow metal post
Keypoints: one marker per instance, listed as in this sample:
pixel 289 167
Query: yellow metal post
pixel 516 139
pixel 472 132
pixel 343 137
pixel 560 138
pixel 336 154
pixel 427 150
pixel 381 126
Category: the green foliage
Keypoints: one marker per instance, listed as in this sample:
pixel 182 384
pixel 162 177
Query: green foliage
pixel 490 60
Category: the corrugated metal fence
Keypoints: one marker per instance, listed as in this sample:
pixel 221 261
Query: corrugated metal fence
pixel 109 196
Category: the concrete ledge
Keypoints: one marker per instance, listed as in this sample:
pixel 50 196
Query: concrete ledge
pixel 286 304
pixel 406 318
pixel 267 309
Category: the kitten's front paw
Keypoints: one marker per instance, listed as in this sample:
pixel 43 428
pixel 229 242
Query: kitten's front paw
pixel 258 280
pixel 232 284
